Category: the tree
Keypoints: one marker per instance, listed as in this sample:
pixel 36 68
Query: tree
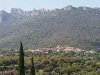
pixel 11 73
pixel 21 68
pixel 32 69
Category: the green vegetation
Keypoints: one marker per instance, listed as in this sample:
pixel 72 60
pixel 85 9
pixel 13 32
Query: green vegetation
pixel 56 63
pixel 32 69
pixel 21 68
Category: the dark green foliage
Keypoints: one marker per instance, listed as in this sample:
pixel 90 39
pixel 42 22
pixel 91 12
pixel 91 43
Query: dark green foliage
pixel 21 69
pixel 56 64
pixel 32 69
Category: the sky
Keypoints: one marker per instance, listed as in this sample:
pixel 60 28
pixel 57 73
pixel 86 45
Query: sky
pixel 47 4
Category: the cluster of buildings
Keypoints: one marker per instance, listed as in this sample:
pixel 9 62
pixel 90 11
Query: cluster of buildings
pixel 56 49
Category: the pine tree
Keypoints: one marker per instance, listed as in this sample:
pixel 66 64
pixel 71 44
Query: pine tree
pixel 32 69
pixel 21 69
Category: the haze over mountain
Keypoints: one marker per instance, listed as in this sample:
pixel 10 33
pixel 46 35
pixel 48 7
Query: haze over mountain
pixel 74 26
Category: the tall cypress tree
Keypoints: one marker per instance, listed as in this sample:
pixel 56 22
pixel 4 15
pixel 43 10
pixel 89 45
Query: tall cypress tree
pixel 32 69
pixel 21 68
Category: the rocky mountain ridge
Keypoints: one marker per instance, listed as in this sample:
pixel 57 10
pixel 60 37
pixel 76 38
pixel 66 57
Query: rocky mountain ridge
pixel 4 16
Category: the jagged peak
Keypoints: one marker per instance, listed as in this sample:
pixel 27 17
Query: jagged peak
pixel 16 10
pixel 3 12
pixel 69 7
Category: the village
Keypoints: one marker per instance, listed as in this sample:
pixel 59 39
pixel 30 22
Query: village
pixel 58 48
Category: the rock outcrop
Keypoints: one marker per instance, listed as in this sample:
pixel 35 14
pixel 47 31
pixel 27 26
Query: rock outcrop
pixel 21 12
pixel 17 12
pixel 4 16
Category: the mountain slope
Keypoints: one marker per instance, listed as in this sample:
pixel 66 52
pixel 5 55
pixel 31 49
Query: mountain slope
pixel 79 27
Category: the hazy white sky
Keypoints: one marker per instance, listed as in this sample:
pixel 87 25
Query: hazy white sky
pixel 48 4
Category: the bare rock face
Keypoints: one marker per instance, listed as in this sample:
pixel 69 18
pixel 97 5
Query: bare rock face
pixel 16 11
pixel 68 8
pixel 4 16
pixel 34 12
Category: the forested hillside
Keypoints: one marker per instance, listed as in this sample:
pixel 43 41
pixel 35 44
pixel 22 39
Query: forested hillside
pixel 78 27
